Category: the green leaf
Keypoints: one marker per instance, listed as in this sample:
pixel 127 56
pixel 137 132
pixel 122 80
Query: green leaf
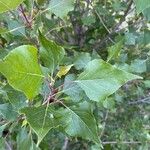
pixel 13 24
pixel 109 103
pixel 141 5
pixel 114 51
pixel 2 144
pixel 147 83
pixel 80 122
pixel 138 66
pixel 61 7
pixel 146 13
pixel 22 70
pixel 8 112
pixel 72 89
pixel 81 60
pixel 16 98
pixel 100 79
pixel 63 70
pixel 50 53
pixel 6 5
pixel 130 39
pixel 41 120
pixel 40 2
pixel 146 37
pixel 76 121
pixel 24 141
pixel 88 20
pixel 3 30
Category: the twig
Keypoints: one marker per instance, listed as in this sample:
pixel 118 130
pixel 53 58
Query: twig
pixel 144 100
pixel 124 16
pixel 106 116
pixel 121 142
pixel 24 15
pixel 56 28
pixel 115 29
pixel 65 144
pixel 8 147
pixel 101 20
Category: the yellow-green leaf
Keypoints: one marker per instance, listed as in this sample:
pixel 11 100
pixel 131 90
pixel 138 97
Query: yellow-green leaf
pixel 6 5
pixel 22 70
pixel 63 70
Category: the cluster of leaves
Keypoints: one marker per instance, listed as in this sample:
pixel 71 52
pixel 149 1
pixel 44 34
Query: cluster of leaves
pixel 74 74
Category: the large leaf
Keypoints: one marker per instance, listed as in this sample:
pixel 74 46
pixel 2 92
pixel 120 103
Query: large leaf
pixel 141 5
pixel 22 70
pixel 76 121
pixel 80 122
pixel 100 79
pixel 6 5
pixel 51 54
pixel 41 120
pixel 61 7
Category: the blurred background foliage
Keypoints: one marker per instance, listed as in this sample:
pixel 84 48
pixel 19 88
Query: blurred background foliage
pixel 117 31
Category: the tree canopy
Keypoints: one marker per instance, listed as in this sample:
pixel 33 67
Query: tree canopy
pixel 74 74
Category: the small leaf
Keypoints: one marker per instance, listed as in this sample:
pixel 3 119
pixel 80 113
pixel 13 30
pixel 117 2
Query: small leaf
pixel 130 39
pixel 88 20
pixel 6 5
pixel 61 7
pixel 63 70
pixel 51 54
pixel 100 79
pixel 22 70
pixel 3 30
pixel 81 60
pixel 114 51
pixel 147 83
pixel 40 2
pixel 41 120
pixel 138 66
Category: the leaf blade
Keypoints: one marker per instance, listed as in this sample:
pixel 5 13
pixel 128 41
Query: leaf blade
pixel 40 119
pixel 61 7
pixel 51 54
pixel 15 67
pixel 7 5
pixel 100 79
